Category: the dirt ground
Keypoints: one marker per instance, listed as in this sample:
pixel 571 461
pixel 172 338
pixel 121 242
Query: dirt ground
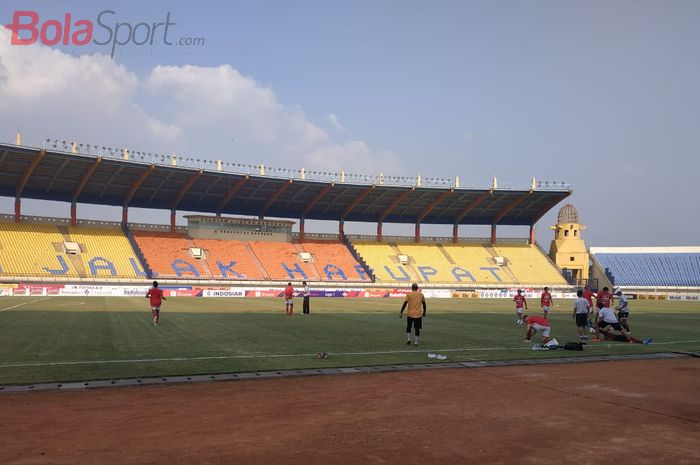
pixel 640 412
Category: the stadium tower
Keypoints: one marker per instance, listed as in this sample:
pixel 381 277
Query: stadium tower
pixel 568 250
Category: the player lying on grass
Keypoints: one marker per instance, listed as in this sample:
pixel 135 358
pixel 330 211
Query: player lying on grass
pixel 157 297
pixel 611 329
pixel 415 301
pixel 537 324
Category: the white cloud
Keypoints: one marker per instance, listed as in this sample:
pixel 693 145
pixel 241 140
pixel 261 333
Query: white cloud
pixel 335 122
pixel 188 110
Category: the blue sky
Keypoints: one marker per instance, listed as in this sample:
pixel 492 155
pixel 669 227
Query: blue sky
pixel 603 95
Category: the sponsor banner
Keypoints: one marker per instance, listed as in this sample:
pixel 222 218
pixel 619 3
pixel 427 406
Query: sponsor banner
pixel 465 295
pixel 5 291
pixel 263 293
pixel 437 293
pixel 687 297
pixel 35 289
pixel 232 292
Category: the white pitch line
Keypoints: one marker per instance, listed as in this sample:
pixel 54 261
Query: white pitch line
pixel 25 303
pixel 335 354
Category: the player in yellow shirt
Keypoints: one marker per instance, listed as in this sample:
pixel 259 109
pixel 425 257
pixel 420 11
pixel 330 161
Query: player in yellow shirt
pixel 416 311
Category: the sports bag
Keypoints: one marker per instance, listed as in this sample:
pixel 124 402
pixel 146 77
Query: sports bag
pixel 573 346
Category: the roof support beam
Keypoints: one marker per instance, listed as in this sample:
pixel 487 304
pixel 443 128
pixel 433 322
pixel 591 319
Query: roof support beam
pixel 28 173
pixel 85 178
pixel 185 188
pixel 316 199
pixel 275 195
pixel 387 211
pixel 467 209
pixel 231 193
pixel 355 201
pixel 504 211
pixel 426 211
pixel 550 205
pixel 136 184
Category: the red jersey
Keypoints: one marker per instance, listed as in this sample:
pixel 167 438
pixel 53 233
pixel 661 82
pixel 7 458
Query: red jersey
pixel 156 296
pixel 588 295
pixel 288 292
pixel 519 301
pixel 604 298
pixel 537 320
pixel 546 299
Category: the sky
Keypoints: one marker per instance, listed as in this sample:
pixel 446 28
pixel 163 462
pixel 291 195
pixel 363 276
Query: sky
pixel 603 95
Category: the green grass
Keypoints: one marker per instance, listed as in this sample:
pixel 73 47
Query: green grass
pixel 254 334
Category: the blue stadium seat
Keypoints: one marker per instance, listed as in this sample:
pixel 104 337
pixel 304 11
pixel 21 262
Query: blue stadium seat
pixel 652 269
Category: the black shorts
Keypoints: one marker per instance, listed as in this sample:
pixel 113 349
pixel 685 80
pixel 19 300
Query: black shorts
pixel 623 315
pixel 417 323
pixel 599 305
pixel 604 324
pixel 581 319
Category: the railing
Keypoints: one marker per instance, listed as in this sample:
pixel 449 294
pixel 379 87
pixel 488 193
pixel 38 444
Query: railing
pixel 123 153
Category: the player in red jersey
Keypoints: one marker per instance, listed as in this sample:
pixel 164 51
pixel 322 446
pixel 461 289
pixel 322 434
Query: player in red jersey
pixel 537 324
pixel 546 301
pixel 157 298
pixel 288 302
pixel 520 303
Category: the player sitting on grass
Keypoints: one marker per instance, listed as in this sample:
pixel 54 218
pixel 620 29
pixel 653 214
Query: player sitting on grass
pixel 520 302
pixel 537 324
pixel 414 300
pixel 157 297
pixel 612 330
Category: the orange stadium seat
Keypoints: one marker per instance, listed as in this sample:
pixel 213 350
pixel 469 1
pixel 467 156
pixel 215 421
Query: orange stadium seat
pixel 282 261
pixel 168 255
pixel 229 259
pixel 335 262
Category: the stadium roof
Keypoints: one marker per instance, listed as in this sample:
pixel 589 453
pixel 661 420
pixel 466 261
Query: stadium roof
pixel 50 174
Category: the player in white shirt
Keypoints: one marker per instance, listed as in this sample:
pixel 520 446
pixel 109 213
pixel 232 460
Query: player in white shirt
pixel 581 310
pixel 623 309
pixel 612 330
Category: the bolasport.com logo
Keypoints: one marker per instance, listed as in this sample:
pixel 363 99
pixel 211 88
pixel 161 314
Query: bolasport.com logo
pixel 29 28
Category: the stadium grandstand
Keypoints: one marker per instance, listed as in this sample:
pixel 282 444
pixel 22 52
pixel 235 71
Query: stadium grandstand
pixel 249 247
pixel 648 266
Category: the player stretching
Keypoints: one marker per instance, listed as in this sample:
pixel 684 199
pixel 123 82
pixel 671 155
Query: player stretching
pixel 520 303
pixel 546 301
pixel 157 298
pixel 537 324
pixel 414 301
pixel 288 302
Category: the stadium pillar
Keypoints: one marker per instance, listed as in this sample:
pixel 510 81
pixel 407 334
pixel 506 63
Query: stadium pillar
pixel 532 234
pixel 379 231
pixel 417 232
pixel 493 233
pixel 341 230
pixel 301 230
pixel 18 210
pixel 73 214
pixel 125 216
pixel 172 221
pixel 455 233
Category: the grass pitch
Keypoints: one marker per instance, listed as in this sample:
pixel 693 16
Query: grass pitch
pixel 51 339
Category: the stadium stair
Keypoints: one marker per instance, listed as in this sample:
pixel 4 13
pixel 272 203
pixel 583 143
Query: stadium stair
pixel 359 259
pixel 257 261
pixel 505 268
